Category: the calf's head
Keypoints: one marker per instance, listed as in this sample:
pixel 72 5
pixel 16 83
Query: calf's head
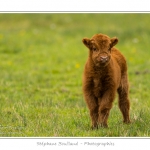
pixel 100 46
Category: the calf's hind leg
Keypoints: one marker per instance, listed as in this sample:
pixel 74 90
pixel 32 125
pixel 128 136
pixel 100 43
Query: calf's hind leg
pixel 124 103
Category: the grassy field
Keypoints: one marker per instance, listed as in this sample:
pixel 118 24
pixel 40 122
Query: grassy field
pixel 41 64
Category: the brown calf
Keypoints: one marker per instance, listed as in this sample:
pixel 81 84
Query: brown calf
pixel 105 74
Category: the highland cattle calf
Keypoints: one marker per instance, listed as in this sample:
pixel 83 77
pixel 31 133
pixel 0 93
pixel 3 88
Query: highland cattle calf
pixel 105 74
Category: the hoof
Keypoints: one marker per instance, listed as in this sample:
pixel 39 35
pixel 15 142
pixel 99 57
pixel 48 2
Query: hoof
pixel 104 125
pixel 99 126
pixel 127 121
pixel 94 128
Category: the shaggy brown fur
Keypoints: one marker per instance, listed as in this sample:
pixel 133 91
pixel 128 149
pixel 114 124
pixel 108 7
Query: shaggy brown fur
pixel 105 74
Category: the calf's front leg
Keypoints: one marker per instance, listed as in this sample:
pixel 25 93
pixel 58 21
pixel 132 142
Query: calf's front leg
pixel 92 104
pixel 105 104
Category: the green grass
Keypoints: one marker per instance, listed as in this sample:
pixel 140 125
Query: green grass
pixel 41 64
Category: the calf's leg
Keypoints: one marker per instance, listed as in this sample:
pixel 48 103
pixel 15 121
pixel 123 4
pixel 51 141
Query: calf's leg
pixel 124 103
pixel 105 104
pixel 92 104
pixel 94 116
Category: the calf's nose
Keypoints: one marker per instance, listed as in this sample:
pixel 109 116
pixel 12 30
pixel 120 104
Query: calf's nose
pixel 103 58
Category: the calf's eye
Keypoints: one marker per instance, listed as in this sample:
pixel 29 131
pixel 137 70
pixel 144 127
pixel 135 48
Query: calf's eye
pixel 109 48
pixel 94 49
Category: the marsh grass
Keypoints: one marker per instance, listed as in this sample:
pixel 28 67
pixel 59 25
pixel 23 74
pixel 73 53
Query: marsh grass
pixel 42 60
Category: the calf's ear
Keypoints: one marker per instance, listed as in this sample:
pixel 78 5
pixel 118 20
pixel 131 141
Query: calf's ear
pixel 86 42
pixel 114 41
